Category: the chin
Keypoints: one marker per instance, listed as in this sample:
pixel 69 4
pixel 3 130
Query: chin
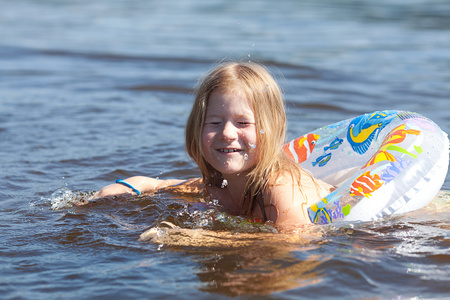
pixel 234 171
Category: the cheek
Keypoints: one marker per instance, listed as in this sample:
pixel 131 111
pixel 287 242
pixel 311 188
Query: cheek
pixel 251 138
pixel 254 147
pixel 206 139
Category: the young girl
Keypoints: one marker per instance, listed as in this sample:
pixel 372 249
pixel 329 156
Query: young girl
pixel 235 134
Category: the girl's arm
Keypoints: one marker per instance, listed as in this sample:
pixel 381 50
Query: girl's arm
pixel 141 183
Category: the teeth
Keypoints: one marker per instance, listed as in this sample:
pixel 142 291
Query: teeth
pixel 228 150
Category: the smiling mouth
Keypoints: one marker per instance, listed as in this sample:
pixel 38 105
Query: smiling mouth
pixel 228 150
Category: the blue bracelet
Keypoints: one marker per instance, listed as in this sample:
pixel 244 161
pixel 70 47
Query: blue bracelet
pixel 121 181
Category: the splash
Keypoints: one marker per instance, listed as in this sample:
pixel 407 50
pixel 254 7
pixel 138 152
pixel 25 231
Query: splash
pixel 65 198
pixel 224 183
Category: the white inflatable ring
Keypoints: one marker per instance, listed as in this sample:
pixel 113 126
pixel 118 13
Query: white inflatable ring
pixel 382 163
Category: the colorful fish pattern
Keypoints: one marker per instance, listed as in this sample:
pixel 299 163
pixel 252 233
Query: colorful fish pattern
pixel 364 129
pixel 365 184
pixel 387 143
pixel 322 160
pixel 396 136
pixel 299 149
pixel 334 144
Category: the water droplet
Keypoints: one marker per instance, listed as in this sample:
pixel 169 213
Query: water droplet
pixel 262 131
pixel 252 145
pixel 245 156
pixel 253 45
pixel 224 183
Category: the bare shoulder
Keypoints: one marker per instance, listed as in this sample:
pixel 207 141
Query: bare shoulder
pixel 287 198
pixel 311 185
pixel 285 202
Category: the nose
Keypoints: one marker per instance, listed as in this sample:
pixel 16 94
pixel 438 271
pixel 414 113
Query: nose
pixel 229 132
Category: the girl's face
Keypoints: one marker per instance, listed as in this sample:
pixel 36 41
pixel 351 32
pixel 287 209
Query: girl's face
pixel 229 133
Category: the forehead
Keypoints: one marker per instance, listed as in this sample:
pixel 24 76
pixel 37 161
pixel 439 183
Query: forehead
pixel 235 100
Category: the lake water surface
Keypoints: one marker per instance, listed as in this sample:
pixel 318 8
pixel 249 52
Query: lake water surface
pixel 92 91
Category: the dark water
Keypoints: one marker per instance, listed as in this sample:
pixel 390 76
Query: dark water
pixel 92 91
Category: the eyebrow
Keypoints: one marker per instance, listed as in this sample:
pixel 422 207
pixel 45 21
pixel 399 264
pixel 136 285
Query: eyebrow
pixel 236 116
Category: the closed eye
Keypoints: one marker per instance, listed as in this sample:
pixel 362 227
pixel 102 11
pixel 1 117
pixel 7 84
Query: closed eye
pixel 213 121
pixel 245 122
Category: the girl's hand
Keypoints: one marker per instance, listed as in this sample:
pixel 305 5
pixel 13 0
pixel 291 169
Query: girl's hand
pixel 141 183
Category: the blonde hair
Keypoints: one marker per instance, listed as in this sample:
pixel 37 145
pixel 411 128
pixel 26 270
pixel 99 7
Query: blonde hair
pixel 266 99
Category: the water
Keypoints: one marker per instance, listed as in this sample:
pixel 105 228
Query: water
pixel 92 91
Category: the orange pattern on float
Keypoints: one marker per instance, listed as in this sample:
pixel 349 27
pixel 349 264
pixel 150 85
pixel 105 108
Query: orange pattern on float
pixel 299 149
pixel 365 184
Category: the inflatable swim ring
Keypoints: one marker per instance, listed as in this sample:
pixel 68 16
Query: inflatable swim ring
pixel 382 163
